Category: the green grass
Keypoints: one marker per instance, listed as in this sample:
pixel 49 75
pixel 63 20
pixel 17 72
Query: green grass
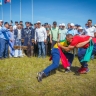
pixel 18 78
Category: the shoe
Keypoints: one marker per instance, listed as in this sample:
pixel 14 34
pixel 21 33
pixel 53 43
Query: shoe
pixel 83 70
pixel 67 70
pixel 40 76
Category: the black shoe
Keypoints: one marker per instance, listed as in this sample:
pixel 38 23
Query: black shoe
pixel 40 76
pixel 67 70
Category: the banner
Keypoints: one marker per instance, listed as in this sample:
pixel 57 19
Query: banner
pixel 0 2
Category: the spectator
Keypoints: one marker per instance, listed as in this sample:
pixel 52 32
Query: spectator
pixel 54 34
pixel 40 38
pixel 4 40
pixel 63 32
pixel 11 44
pixel 89 30
pixel 15 26
pixel 71 30
pixel 35 45
pixel 17 35
pixel 28 36
pixel 80 31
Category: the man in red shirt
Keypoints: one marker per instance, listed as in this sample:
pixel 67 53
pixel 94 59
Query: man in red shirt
pixel 81 42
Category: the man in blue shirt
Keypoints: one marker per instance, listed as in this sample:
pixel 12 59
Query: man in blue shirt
pixel 4 40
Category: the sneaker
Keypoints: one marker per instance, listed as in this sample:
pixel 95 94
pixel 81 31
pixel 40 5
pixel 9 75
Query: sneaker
pixel 40 76
pixel 83 70
pixel 67 70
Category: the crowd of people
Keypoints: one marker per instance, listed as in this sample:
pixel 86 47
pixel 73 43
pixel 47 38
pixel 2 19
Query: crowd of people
pixel 45 39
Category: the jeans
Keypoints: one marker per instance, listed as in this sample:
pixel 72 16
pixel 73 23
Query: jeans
pixel 4 44
pixel 41 47
pixel 55 64
pixel 70 57
pixel 81 54
pixel 18 52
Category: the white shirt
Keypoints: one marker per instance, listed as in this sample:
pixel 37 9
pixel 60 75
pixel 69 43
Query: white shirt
pixel 40 34
pixel 90 31
pixel 14 27
pixel 19 33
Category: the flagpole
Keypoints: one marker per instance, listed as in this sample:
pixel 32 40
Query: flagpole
pixel 2 10
pixel 10 10
pixel 32 11
pixel 20 10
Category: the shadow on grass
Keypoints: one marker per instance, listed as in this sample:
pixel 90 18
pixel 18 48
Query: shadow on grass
pixel 73 69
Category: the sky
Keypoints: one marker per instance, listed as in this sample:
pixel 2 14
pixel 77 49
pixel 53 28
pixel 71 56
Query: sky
pixel 62 11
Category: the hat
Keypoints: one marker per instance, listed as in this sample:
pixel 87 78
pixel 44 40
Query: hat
pixel 80 28
pixel 72 24
pixel 38 22
pixel 63 24
pixel 54 23
pixel 95 25
pixel 1 20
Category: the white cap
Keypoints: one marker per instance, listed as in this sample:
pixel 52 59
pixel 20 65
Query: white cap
pixel 60 24
pixel 80 28
pixel 63 24
pixel 72 24
pixel 38 22
pixel 1 20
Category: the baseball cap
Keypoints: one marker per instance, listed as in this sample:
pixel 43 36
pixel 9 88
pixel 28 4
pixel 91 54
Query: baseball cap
pixel 80 28
pixel 38 22
pixel 63 24
pixel 72 24
pixel 60 24
pixel 1 20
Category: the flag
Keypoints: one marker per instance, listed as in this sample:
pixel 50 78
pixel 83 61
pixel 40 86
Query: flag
pixel 7 1
pixel 64 60
pixel 0 2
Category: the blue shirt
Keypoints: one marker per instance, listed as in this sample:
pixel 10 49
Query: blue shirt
pixel 4 33
pixel 72 31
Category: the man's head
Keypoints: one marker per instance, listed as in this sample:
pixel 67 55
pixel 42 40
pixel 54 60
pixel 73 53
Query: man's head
pixel 6 24
pixel 38 24
pixel 60 26
pixel 16 23
pixel 72 26
pixel 69 38
pixel 80 29
pixel 63 26
pixel 27 24
pixel 68 25
pixel 1 22
pixel 35 25
pixel 21 22
pixel 11 28
pixel 89 22
pixel 54 24
pixel 19 26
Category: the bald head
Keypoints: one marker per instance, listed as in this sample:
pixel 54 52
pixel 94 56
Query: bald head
pixel 69 37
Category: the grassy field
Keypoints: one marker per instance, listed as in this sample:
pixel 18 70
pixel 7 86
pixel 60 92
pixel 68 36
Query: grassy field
pixel 18 78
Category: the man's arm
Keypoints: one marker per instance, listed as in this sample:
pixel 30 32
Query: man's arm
pixel 66 48
pixel 79 45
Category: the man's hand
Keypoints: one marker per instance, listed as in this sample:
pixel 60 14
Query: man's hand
pixel 11 40
pixel 90 38
pixel 44 41
pixel 51 41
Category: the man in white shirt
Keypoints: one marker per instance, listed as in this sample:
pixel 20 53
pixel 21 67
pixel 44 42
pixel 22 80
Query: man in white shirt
pixel 89 30
pixel 15 26
pixel 40 38
pixel 63 32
